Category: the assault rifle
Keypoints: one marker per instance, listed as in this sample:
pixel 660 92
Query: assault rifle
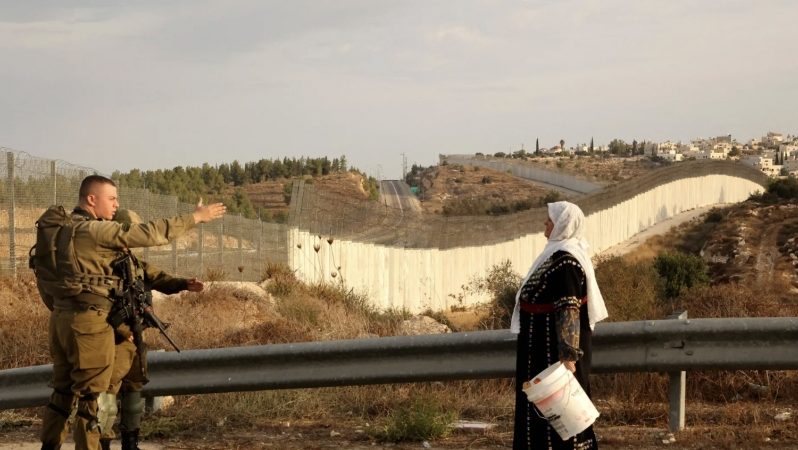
pixel 133 304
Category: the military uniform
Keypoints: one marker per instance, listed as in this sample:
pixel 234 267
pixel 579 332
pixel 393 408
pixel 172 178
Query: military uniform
pixel 129 373
pixel 81 340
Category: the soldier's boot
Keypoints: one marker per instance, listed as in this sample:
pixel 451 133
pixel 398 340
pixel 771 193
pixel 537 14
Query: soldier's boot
pixel 130 440
pixel 105 443
pixel 51 447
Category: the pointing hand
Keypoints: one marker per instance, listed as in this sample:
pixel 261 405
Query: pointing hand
pixel 210 212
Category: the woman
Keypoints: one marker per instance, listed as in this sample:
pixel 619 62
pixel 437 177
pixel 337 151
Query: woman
pixel 556 309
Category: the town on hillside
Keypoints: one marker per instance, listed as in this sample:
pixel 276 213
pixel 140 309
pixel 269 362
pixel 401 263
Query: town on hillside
pixel 775 154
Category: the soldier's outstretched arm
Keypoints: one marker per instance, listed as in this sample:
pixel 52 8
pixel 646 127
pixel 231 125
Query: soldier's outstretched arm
pixel 155 232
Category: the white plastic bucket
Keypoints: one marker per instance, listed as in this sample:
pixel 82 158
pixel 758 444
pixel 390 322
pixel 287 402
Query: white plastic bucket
pixel 561 400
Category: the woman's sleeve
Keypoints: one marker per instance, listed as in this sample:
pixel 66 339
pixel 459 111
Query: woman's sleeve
pixel 569 279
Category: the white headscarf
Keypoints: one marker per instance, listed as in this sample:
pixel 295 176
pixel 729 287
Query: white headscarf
pixel 567 235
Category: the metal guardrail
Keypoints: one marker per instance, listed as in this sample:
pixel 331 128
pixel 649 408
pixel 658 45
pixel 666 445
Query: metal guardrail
pixel 642 346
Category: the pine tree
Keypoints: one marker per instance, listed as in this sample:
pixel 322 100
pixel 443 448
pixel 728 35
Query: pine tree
pixel 591 144
pixel 537 146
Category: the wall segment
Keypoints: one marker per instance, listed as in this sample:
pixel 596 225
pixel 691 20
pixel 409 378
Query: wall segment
pixel 420 278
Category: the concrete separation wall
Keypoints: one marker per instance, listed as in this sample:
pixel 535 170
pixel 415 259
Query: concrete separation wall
pixel 419 278
pixel 327 214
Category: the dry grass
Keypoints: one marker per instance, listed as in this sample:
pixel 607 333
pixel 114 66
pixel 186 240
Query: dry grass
pixel 23 324
pixel 741 403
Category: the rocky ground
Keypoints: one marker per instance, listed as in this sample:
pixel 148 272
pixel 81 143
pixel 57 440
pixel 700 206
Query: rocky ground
pixel 753 242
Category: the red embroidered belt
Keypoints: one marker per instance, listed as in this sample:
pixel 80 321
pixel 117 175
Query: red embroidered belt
pixel 543 308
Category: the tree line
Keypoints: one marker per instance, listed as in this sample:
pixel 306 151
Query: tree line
pixel 213 182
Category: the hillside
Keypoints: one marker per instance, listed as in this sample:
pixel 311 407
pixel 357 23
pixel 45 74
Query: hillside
pixel 597 168
pixel 452 189
pixel 752 243
pixel 272 198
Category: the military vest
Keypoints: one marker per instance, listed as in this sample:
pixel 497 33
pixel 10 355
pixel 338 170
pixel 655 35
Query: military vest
pixel 53 260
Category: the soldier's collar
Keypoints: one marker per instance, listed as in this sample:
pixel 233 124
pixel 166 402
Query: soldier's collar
pixel 78 211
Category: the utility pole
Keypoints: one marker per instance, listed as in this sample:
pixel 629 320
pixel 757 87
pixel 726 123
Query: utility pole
pixel 404 166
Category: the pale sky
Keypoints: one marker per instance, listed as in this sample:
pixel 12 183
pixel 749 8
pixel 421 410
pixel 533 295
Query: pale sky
pixel 116 85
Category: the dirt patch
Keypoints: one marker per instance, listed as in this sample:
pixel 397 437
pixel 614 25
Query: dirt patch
pixel 356 435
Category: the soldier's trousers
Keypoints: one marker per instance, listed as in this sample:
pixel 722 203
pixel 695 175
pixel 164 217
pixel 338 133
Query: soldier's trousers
pixel 82 349
pixel 128 377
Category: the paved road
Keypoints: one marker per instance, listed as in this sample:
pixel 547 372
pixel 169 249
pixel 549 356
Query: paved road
pixel 396 194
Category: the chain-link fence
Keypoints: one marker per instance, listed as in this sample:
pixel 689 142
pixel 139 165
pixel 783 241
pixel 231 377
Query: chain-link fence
pixel 234 248
pixel 240 247
pixel 330 214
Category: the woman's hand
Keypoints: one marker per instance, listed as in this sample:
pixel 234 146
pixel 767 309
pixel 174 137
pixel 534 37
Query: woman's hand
pixel 570 365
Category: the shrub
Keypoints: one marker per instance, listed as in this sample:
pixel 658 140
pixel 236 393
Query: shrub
pixel 780 189
pixel 215 274
pixel 680 272
pixel 502 282
pixel 551 197
pixel 419 421
pixel 282 280
pixel 714 216
pixel 784 188
pixel 630 289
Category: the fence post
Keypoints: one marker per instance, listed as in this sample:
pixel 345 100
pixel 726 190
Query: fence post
pixel 220 244
pixel 55 182
pixel 174 241
pixel 12 252
pixel 200 245
pixel 148 217
pixel 677 383
pixel 240 247
pixel 259 253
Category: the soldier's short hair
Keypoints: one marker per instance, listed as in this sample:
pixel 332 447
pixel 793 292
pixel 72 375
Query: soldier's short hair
pixel 90 181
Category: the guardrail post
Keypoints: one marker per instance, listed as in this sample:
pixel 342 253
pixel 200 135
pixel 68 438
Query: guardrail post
pixel 676 390
pixel 153 403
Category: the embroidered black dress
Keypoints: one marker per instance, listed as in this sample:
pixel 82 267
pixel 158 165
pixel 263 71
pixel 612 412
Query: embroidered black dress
pixel 556 327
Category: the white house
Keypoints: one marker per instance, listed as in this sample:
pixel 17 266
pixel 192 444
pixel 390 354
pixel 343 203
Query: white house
pixel 711 153
pixel 763 163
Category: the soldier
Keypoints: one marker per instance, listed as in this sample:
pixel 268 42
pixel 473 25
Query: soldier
pixel 82 246
pixel 130 363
